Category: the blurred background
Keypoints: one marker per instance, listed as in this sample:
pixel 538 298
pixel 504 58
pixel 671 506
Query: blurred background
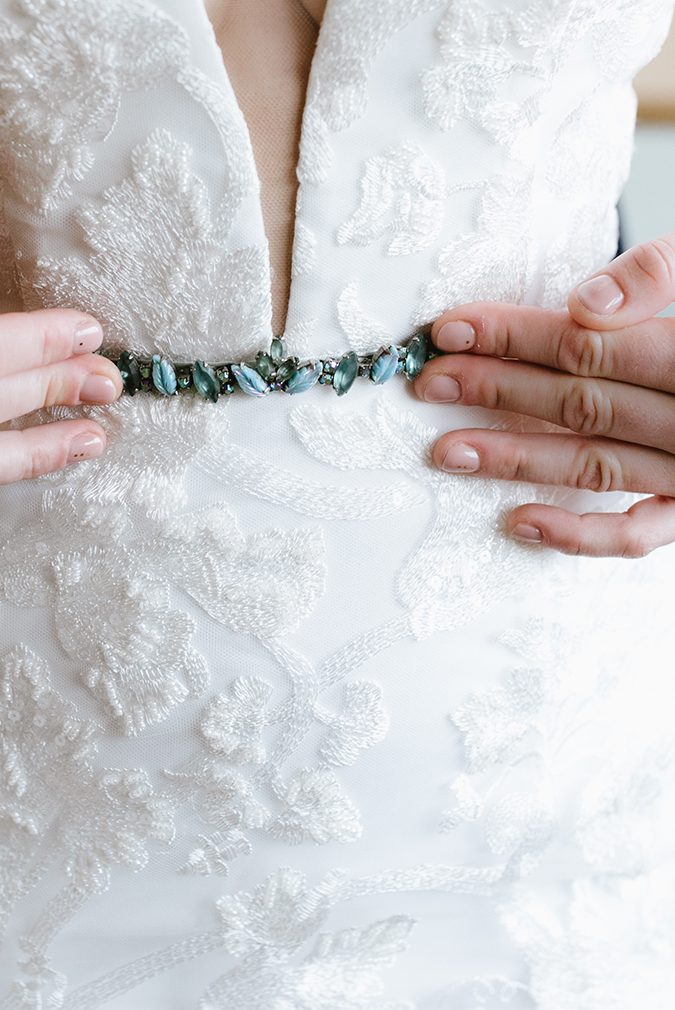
pixel 648 202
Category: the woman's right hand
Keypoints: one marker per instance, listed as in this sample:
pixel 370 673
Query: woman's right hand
pixel 46 359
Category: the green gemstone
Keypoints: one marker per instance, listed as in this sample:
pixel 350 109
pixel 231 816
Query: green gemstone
pixel 286 369
pixel 277 350
pixel 416 356
pixel 205 381
pixel 130 372
pixel 264 364
pixel 345 373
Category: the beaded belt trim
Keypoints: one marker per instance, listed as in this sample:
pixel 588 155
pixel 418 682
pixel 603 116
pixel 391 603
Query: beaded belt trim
pixel 271 370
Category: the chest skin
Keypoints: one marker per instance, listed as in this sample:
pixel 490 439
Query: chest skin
pixel 267 47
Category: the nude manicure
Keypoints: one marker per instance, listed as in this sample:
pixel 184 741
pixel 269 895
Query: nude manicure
pixel 87 337
pixel 461 458
pixel 442 388
pixel 526 532
pixel 87 445
pixel 456 336
pixel 98 389
pixel 601 295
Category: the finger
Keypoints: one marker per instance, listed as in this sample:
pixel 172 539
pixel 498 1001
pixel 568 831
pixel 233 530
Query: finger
pixel 89 378
pixel 589 464
pixel 643 354
pixel 647 525
pixel 31 339
pixel 47 447
pixel 632 288
pixel 585 406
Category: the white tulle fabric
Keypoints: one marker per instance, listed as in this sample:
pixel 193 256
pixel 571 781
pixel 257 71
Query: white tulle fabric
pixel 288 723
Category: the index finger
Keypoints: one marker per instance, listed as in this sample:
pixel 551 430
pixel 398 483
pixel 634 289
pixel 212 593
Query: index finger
pixel 643 355
pixel 44 337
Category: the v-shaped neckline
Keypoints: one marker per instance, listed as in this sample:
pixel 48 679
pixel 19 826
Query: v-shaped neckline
pixel 220 59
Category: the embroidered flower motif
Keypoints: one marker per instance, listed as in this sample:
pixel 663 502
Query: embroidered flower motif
pixel 491 264
pixel 280 914
pixel 357 35
pixel 140 663
pixel 150 445
pixel 342 968
pixel 403 194
pixel 128 814
pixel 223 798
pixel 62 78
pixel 494 722
pixel 263 584
pixel 158 271
pixel 478 58
pixel 316 809
pixel 44 746
pixel 53 800
pixel 232 724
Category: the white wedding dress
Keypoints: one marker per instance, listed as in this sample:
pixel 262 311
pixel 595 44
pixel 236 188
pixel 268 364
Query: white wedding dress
pixel 288 722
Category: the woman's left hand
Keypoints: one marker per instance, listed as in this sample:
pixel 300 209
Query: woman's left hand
pixel 604 370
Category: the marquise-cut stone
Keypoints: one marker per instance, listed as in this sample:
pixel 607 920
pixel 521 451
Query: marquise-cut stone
pixel 384 365
pixel 205 381
pixel 345 373
pixel 163 375
pixel 416 356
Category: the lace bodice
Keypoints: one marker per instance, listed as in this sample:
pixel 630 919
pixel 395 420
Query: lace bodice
pixel 287 721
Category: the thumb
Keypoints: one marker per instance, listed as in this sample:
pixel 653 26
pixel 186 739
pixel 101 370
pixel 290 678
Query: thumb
pixel 631 289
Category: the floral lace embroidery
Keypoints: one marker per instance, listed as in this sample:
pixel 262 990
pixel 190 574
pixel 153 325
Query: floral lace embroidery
pixel 63 75
pixel 269 930
pixel 402 196
pixel 491 264
pixel 163 205
pixel 237 778
pixel 477 62
pixel 49 784
pixel 352 35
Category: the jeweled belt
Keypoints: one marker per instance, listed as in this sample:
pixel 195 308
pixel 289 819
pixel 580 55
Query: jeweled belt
pixel 273 369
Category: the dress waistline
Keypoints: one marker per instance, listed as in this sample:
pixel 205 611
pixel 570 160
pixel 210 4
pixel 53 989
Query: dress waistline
pixel 271 370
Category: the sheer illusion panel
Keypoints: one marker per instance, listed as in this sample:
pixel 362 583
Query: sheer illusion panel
pixel 10 294
pixel 267 47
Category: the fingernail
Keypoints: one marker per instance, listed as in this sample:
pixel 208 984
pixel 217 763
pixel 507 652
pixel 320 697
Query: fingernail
pixel 456 336
pixel 442 387
pixel 98 389
pixel 87 337
pixel 531 534
pixel 85 446
pixel 461 458
pixel 601 295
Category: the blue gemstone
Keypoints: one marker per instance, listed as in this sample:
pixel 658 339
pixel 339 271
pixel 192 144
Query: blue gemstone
pixel 416 356
pixel 163 375
pixel 249 380
pixel 345 373
pixel 384 365
pixel 303 378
